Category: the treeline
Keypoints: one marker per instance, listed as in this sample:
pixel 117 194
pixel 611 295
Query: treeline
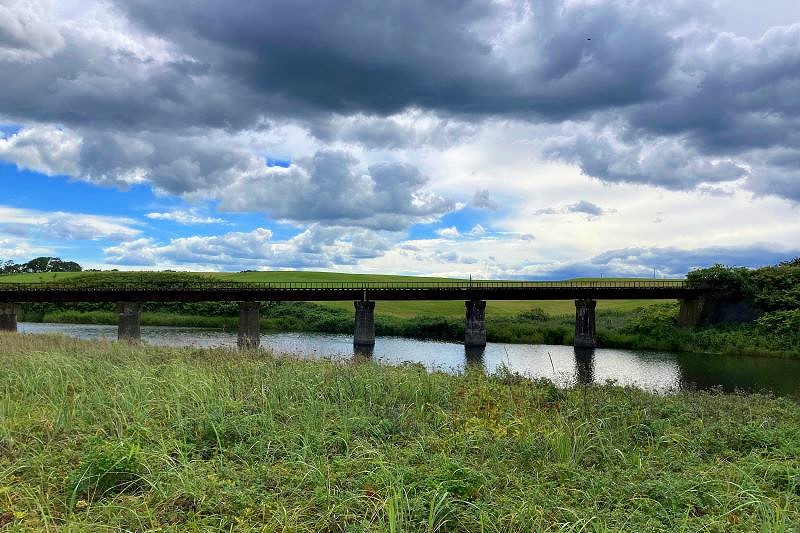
pixel 39 265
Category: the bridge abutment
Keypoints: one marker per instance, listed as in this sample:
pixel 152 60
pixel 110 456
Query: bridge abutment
pixel 249 331
pixel 585 333
pixel 714 308
pixel 129 318
pixel 475 323
pixel 8 316
pixel 365 323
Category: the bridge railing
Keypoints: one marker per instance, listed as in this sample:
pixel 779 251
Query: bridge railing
pixel 144 285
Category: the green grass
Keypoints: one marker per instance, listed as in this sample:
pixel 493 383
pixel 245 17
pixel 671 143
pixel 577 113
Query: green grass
pixel 105 436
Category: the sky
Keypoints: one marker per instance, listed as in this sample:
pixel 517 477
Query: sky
pixel 539 139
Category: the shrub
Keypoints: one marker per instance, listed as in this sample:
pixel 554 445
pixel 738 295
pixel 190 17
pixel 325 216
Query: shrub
pixel 738 279
pixel 106 468
pixel 536 314
pixel 781 324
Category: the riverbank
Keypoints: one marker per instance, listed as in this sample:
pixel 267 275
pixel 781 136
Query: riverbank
pixel 100 434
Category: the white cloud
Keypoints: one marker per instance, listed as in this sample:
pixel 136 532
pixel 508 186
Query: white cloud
pixel 17 249
pixel 60 225
pixel 449 233
pixel 48 150
pixel 186 218
pixel 583 207
pixel 27 32
pixel 477 230
pixel 317 247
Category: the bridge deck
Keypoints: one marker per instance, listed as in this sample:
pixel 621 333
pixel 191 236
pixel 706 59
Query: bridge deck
pixel 341 291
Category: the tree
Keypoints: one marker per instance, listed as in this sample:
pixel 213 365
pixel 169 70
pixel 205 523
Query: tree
pixel 8 267
pixel 39 265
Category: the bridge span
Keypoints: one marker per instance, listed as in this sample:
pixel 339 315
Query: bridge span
pixel 129 298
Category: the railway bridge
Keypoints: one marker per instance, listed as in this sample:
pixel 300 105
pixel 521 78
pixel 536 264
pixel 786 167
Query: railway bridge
pixel 698 300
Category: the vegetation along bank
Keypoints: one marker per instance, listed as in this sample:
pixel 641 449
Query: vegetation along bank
pixel 99 435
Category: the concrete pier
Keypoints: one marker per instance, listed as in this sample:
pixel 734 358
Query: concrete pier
pixel 475 324
pixel 695 312
pixel 585 335
pixel 365 323
pixel 129 315
pixel 249 333
pixel 8 316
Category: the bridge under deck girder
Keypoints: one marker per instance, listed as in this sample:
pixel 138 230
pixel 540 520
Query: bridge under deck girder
pixel 130 296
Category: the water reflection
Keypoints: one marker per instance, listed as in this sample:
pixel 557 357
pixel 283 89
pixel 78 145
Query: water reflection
pixel 363 351
pixel 564 365
pixel 473 357
pixel 584 365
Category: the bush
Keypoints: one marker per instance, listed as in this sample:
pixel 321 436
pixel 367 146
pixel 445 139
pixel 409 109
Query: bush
pixel 106 468
pixel 738 280
pixel 784 325
pixel 536 314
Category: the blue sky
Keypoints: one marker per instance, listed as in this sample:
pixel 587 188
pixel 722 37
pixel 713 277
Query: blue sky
pixel 532 139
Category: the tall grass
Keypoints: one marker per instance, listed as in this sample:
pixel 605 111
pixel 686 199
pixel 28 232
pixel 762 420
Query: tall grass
pixel 97 435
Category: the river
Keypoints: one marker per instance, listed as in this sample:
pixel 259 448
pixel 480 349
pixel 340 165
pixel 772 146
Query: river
pixel 652 371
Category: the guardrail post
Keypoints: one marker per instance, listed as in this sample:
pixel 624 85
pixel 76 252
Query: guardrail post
pixel 8 316
pixel 129 316
pixel 365 323
pixel 249 333
pixel 475 324
pixel 585 335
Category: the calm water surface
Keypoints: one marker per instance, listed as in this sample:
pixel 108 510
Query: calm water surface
pixel 654 371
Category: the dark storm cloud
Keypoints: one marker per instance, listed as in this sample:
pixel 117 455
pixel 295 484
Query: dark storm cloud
pixel 381 58
pixel 306 59
pixel 733 112
pixel 653 95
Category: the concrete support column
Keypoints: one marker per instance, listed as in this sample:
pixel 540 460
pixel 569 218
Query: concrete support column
pixel 8 316
pixel 475 325
pixel 585 336
pixel 249 337
pixel 365 323
pixel 129 317
pixel 692 312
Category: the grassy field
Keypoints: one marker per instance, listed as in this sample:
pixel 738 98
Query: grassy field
pixel 449 309
pixel 104 436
